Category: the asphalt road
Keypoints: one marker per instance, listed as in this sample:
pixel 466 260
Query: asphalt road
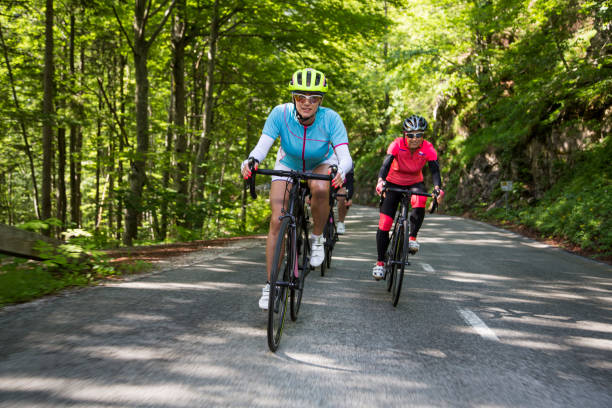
pixel 486 319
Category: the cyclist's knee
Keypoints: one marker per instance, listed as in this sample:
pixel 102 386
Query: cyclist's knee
pixel 385 222
pixel 319 189
pixel 418 201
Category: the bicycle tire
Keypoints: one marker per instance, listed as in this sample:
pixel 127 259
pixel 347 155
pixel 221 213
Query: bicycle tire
pixel 332 243
pixel 282 266
pixel 303 245
pixel 389 271
pixel 401 256
pixel 326 246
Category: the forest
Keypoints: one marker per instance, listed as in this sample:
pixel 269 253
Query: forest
pixel 124 122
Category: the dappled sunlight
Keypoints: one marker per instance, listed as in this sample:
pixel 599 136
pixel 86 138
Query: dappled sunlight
pixel 126 352
pixel 204 369
pixel 484 298
pixel 242 262
pixel 549 294
pixel 432 353
pixel 245 331
pixel 141 317
pixel 315 360
pixel 209 268
pixel 352 259
pixel 474 278
pixel 599 364
pixel 590 342
pixel 106 328
pixel 162 393
pixel 483 277
pixel 522 338
pixel 209 340
pixel 177 286
pixel 90 392
pixel 565 324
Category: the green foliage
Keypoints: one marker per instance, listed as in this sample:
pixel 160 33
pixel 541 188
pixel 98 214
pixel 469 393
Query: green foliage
pixel 75 263
pixel 489 76
pixel 578 207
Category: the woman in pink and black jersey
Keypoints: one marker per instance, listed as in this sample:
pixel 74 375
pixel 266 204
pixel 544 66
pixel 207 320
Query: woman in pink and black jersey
pixel 402 167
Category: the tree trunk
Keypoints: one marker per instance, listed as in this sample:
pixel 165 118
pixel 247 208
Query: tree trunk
pixel 47 136
pixel 120 201
pixel 163 228
pixel 61 176
pixel 181 174
pixel 76 138
pixel 245 193
pixel 22 126
pixel 137 176
pixel 205 138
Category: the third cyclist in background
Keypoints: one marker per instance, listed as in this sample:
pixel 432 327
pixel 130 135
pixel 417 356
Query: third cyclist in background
pixel 344 203
pixel 402 168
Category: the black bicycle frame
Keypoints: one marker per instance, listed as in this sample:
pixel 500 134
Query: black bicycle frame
pixel 297 195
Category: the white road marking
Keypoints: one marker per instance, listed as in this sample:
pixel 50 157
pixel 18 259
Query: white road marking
pixel 478 325
pixel 428 267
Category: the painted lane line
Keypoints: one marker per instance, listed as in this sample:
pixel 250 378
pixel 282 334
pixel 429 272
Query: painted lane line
pixel 478 325
pixel 428 267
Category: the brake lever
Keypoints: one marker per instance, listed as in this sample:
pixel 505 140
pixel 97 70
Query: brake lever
pixel 253 167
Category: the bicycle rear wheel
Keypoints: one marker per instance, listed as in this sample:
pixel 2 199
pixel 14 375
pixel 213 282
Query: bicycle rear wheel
pixel 303 249
pixel 401 255
pixel 282 267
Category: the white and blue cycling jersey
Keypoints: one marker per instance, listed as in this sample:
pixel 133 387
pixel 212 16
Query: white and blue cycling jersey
pixel 305 147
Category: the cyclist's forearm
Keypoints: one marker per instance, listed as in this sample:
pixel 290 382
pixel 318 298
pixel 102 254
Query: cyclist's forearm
pixel 345 162
pixel 386 166
pixel 262 148
pixel 434 168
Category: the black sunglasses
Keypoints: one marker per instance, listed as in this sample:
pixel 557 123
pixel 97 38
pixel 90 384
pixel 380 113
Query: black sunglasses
pixel 413 135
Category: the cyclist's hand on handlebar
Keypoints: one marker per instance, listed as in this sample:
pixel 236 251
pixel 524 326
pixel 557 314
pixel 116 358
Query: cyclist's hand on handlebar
pixel 245 169
pixel 439 194
pixel 338 180
pixel 379 186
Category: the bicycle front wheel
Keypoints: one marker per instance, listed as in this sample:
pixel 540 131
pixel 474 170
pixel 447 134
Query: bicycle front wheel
pixel 303 248
pixel 401 255
pixel 390 258
pixel 282 267
pixel 327 234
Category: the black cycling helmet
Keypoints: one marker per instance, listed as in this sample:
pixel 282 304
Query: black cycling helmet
pixel 414 123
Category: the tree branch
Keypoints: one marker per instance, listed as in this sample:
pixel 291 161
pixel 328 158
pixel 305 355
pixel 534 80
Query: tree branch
pixel 123 30
pixel 162 23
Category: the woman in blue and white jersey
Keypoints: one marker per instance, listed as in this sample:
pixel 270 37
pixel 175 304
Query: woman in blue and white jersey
pixel 309 135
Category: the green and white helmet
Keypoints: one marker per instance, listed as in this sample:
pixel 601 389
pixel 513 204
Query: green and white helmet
pixel 308 80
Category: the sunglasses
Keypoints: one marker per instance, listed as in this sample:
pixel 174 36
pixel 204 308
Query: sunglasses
pixel 413 135
pixel 311 98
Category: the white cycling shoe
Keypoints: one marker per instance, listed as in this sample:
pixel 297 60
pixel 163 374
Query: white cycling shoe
pixel 340 228
pixel 378 272
pixel 413 247
pixel 265 297
pixel 317 251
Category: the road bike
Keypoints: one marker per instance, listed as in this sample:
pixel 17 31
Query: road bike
pixel 396 257
pixel 291 262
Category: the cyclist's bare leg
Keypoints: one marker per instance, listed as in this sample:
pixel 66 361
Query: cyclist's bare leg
pixel 319 203
pixel 279 190
pixel 342 210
